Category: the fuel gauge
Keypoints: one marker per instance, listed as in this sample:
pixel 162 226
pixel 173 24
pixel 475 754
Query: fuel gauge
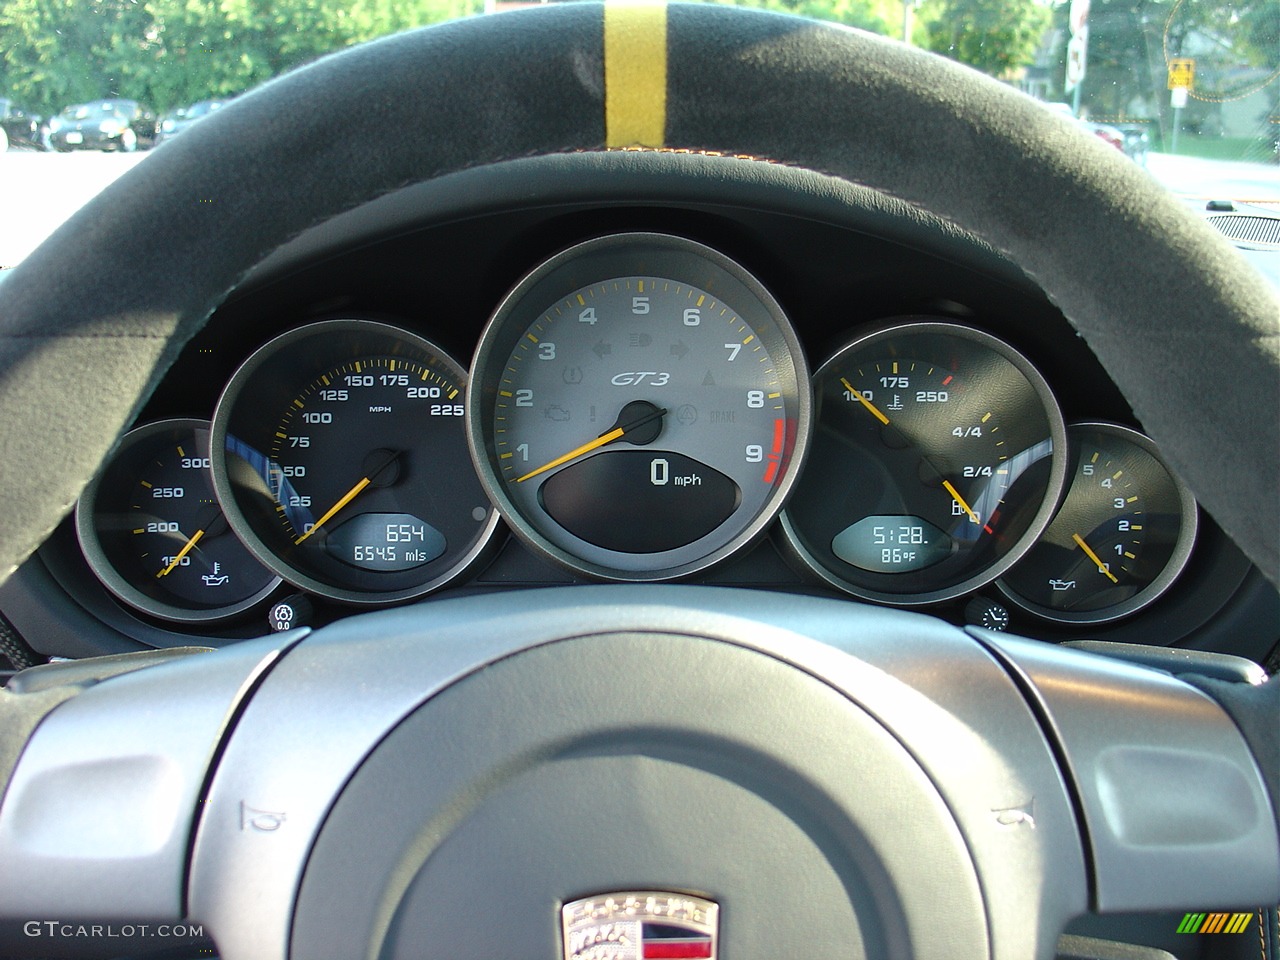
pixel 154 534
pixel 1121 536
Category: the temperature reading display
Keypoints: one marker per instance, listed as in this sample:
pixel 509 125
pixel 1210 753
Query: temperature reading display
pixel 892 544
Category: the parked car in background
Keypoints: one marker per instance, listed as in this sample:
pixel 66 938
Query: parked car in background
pixel 1137 141
pixel 1131 144
pixel 175 121
pixel 124 125
pixel 17 126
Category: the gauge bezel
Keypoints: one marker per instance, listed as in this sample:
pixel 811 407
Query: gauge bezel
pixel 1188 527
pixel 105 570
pixel 373 337
pixel 617 255
pixel 794 547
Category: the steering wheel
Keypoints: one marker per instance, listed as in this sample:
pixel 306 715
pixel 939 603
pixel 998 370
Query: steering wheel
pixel 449 778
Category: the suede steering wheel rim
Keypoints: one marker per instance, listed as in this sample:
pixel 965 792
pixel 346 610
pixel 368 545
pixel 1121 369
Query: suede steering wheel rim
pixel 1141 279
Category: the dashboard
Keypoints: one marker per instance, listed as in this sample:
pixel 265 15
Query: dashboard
pixel 637 367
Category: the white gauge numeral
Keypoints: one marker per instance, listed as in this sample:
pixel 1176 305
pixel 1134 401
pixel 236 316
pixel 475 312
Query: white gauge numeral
pixel 524 398
pixel 755 398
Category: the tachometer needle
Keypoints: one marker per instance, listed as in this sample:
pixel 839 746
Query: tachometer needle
pixel 617 433
pixel 1102 567
pixel 875 412
pixel 186 548
pixel 955 495
pixel 346 498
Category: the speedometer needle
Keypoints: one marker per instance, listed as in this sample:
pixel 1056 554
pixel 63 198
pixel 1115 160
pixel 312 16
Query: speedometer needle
pixel 617 433
pixel 195 538
pixel 875 411
pixel 1102 567
pixel 388 457
pixel 346 498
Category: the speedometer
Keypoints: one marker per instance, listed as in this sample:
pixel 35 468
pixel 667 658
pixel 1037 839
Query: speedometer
pixel 340 459
pixel 638 407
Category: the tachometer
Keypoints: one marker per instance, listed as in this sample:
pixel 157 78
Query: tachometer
pixel 340 456
pixel 937 460
pixel 638 407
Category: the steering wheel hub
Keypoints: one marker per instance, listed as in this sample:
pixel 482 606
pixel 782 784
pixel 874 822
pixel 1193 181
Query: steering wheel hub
pixel 639 761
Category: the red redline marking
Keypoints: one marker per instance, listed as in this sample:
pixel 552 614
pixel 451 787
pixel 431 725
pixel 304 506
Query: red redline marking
pixel 948 380
pixel 676 949
pixel 779 431
pixel 771 471
pixel 987 527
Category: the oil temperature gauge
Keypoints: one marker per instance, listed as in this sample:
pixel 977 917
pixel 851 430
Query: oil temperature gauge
pixel 1121 536
pixel 155 536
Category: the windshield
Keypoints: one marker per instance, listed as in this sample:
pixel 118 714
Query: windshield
pixel 1187 89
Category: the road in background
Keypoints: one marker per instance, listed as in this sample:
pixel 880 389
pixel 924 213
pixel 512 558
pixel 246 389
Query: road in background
pixel 1217 179
pixel 38 191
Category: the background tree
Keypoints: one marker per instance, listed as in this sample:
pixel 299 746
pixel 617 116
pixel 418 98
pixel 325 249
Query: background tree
pixel 995 36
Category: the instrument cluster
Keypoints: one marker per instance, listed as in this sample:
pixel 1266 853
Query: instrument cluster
pixel 639 408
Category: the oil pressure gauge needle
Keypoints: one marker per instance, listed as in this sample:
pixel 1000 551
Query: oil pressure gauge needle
pixel 648 414
pixel 1102 567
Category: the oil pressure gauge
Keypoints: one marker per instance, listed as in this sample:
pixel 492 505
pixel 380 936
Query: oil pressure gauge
pixel 1122 535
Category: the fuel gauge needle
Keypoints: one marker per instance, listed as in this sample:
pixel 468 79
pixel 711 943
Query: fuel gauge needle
pixel 1102 567
pixel 186 548
pixel 955 495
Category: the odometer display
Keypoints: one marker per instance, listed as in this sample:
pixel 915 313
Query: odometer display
pixel 340 454
pixel 936 461
pixel 639 407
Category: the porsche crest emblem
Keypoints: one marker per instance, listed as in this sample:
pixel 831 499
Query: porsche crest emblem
pixel 640 925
